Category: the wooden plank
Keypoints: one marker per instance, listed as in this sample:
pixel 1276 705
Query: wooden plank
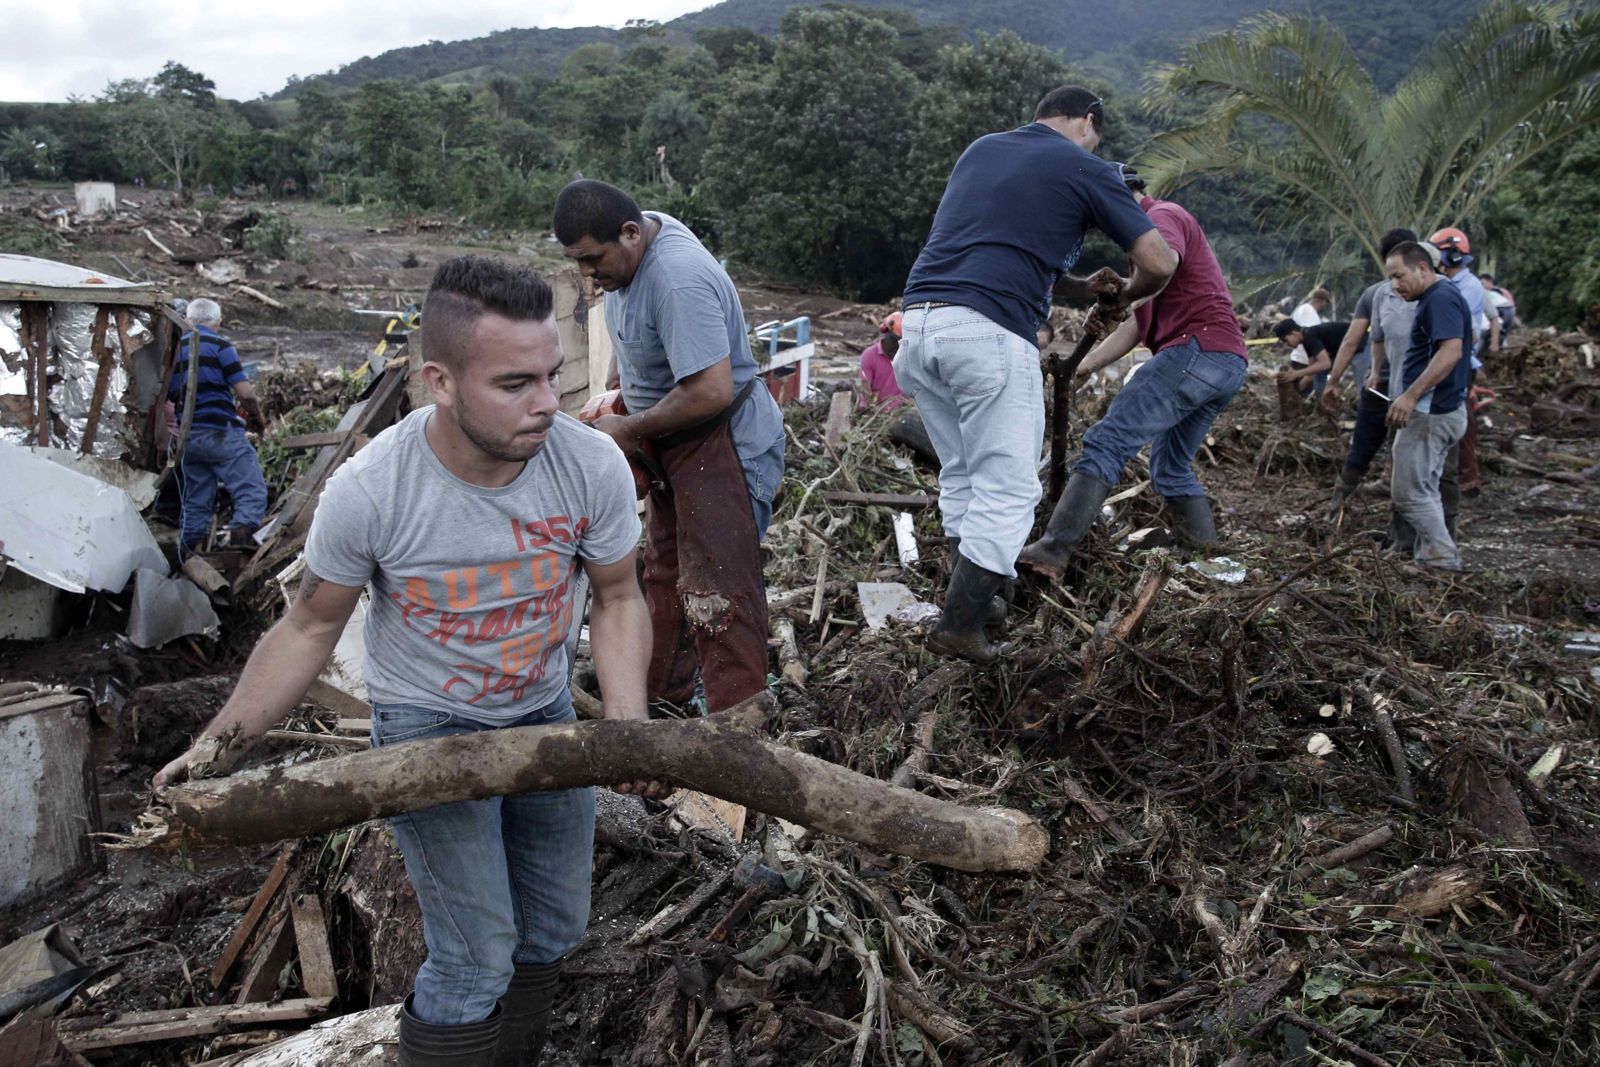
pixel 102 380
pixel 252 918
pixel 119 295
pixel 261 980
pixel 36 337
pixel 888 500
pixel 338 701
pixel 378 412
pixel 137 1028
pixel 838 423
pixel 321 440
pixel 317 976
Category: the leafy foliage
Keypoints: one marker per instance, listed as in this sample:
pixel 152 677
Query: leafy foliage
pixel 1286 99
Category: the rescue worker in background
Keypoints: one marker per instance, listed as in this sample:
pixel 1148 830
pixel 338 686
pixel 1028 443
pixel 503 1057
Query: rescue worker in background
pixel 1317 344
pixel 1455 257
pixel 218 448
pixel 877 367
pixel 706 422
pixel 1199 364
pixel 1429 413
pixel 1372 404
pixel 1009 227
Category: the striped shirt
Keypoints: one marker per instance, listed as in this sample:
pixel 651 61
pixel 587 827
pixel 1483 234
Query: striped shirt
pixel 220 371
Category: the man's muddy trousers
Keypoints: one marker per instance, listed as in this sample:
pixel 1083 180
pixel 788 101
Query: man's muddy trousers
pixel 702 576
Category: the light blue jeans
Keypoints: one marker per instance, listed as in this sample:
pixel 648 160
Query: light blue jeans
pixel 1169 405
pixel 216 454
pixel 499 881
pixel 981 395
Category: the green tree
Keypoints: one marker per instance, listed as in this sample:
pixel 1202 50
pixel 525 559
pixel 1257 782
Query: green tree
pixel 161 123
pixel 806 156
pixel 1286 99
pixel 30 152
pixel 1543 230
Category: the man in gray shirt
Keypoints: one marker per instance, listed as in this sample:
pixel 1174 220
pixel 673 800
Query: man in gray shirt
pixel 700 417
pixel 467 520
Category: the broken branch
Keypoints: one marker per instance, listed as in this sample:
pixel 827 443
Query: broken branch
pixel 709 755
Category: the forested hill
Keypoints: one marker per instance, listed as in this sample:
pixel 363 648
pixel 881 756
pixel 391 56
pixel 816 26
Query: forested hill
pixel 1117 41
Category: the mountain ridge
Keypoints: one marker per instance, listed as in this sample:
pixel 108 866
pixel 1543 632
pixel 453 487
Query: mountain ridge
pixel 1109 41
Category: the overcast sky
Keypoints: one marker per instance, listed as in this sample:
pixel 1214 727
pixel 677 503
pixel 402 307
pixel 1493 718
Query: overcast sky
pixel 59 48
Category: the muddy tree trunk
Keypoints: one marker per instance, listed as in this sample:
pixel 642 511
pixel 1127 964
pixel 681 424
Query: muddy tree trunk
pixel 714 756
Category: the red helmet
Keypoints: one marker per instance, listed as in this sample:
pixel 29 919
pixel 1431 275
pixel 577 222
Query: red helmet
pixel 1450 237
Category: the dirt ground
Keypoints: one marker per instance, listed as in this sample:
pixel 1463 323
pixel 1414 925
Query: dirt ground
pixel 1182 916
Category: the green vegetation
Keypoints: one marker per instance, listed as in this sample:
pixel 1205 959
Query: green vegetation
pixel 817 155
pixel 1286 100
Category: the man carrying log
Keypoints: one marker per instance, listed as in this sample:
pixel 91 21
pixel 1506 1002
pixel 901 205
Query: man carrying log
pixel 702 420
pixel 1009 226
pixel 468 520
pixel 1170 404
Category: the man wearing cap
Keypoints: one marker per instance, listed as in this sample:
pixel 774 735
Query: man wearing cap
pixel 1429 411
pixel 1009 227
pixel 1198 366
pixel 877 366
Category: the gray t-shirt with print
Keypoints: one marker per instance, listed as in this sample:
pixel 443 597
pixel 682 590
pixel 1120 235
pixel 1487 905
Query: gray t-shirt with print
pixel 679 315
pixel 1392 318
pixel 471 587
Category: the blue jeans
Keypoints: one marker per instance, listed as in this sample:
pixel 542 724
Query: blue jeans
pixel 763 473
pixel 500 881
pixel 1169 404
pixel 215 453
pixel 981 396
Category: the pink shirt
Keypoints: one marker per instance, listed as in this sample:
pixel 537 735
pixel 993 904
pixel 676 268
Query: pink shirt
pixel 877 370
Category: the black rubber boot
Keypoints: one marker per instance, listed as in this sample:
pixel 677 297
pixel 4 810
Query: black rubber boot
pixel 428 1045
pixel 1343 490
pixel 960 629
pixel 1001 604
pixel 1192 521
pixel 1450 526
pixel 526 1005
pixel 243 536
pixel 1075 512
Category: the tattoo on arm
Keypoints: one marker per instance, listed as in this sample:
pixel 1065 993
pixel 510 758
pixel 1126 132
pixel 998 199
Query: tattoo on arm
pixel 308 585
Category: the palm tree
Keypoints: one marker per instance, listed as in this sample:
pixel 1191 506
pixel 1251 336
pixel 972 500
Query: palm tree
pixel 1285 98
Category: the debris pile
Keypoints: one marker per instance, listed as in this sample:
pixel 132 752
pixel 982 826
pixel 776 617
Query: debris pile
pixel 1302 799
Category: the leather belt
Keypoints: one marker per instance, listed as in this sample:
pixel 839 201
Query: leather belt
pixel 678 437
pixel 929 305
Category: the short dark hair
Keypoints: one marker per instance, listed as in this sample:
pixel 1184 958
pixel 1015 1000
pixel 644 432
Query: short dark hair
pixel 1393 239
pixel 589 208
pixel 1285 327
pixel 1073 102
pixel 1412 254
pixel 464 289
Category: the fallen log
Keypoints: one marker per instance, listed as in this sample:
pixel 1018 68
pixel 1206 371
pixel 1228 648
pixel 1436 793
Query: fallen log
pixel 713 756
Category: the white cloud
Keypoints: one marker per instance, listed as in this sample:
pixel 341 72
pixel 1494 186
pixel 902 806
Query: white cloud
pixel 73 47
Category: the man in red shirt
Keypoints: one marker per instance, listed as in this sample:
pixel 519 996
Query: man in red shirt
pixel 1170 404
pixel 877 366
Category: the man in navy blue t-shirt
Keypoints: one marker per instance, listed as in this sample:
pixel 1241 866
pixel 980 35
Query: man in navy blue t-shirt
pixel 1430 412
pixel 1008 229
pixel 217 449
